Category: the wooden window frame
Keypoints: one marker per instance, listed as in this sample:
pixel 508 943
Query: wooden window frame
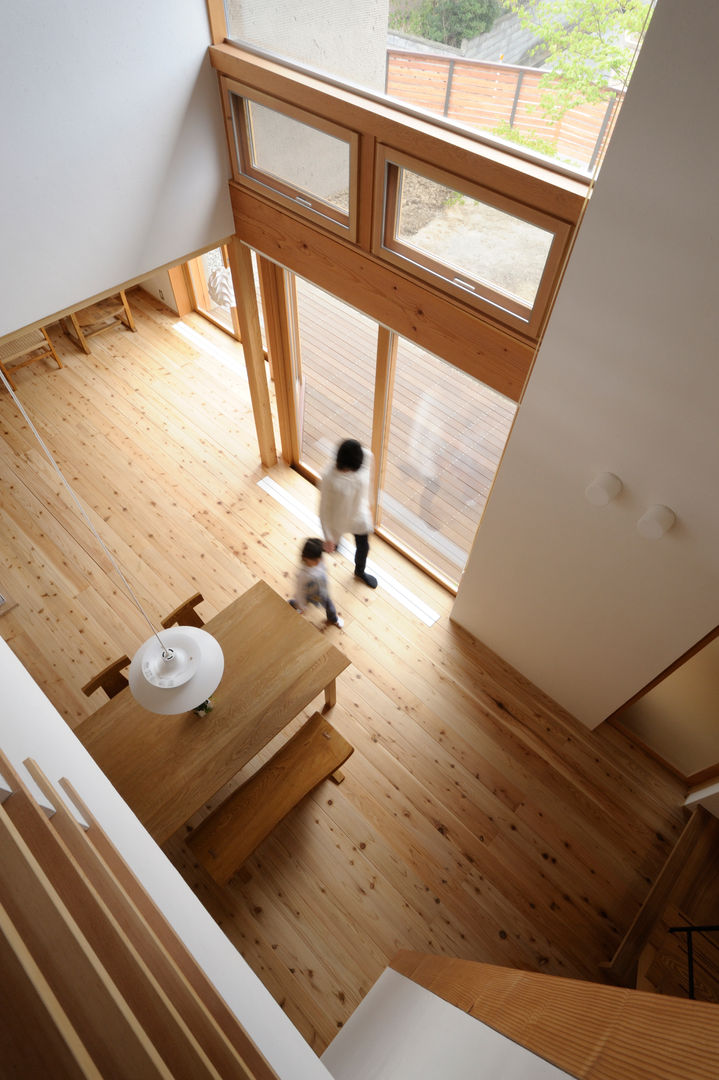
pixel 197 286
pixel 484 296
pixel 292 198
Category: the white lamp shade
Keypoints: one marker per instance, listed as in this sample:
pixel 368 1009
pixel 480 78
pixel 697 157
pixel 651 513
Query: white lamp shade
pixel 657 521
pixel 177 673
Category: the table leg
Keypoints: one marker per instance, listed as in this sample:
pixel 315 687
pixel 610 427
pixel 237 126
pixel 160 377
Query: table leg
pixel 330 695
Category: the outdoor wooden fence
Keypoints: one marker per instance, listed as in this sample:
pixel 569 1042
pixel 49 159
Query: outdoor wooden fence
pixel 484 95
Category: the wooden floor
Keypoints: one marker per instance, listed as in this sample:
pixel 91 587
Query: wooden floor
pixel 476 819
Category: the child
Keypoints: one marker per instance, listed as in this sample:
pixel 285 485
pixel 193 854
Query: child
pixel 311 586
pixel 344 504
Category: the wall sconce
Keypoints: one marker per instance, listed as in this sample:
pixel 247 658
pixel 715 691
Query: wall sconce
pixel 603 489
pixel 655 522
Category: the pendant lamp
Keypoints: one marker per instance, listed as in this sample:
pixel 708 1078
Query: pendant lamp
pixel 170 674
pixel 177 672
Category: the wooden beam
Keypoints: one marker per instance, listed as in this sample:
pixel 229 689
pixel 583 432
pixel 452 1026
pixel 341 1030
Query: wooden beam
pixel 444 327
pixel 246 303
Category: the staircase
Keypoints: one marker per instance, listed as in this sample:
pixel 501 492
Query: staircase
pixel 95 983
pixel 685 893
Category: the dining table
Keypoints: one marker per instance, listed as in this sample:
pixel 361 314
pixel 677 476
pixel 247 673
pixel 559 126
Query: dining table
pixel 167 767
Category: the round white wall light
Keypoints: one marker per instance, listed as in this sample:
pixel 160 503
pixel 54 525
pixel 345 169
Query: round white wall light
pixel 655 522
pixel 603 489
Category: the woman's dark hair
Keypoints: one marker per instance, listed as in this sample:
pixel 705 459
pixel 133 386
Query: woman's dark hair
pixel 312 548
pixel 350 455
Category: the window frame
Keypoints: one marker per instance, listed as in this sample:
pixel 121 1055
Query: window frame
pixel 286 194
pixel 485 297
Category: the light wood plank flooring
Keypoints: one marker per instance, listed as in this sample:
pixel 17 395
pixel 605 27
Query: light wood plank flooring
pixel 477 819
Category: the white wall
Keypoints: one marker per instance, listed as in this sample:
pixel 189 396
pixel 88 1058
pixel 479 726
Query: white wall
pixel 159 286
pixel 626 380
pixel 679 718
pixel 114 155
pixel 31 727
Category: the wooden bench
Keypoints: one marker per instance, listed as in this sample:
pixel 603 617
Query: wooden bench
pixel 230 834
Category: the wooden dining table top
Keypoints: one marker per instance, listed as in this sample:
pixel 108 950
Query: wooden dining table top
pixel 167 767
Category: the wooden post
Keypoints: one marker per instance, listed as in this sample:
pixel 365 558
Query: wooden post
pixel 246 304
pixel 281 332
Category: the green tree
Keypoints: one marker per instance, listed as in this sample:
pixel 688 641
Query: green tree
pixel 589 44
pixel 448 21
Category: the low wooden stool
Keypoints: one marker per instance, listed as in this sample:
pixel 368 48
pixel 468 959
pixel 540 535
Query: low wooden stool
pixel 86 322
pixel 34 345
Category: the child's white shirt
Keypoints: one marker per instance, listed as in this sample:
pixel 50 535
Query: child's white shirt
pixel 311 586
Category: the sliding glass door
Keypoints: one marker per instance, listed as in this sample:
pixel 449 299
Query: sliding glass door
pixel 445 437
pixel 437 433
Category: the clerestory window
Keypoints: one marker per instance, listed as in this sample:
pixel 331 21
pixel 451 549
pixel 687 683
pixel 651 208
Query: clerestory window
pixel 485 249
pixel 305 162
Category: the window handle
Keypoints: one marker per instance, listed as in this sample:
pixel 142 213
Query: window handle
pixel 303 202
pixel 464 284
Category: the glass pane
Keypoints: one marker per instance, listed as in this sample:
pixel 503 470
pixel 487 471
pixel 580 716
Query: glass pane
pixel 338 347
pixel 550 75
pixel 471 239
pixel 299 155
pixel 219 295
pixel 447 434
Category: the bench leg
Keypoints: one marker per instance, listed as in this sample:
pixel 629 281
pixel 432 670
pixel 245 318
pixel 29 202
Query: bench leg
pixel 330 695
pixel 337 777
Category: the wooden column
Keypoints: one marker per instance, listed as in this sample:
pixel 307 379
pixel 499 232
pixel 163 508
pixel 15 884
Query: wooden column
pixel 180 289
pixel 246 303
pixel 383 390
pixel 217 20
pixel 282 337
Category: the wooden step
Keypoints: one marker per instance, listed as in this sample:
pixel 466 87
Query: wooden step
pixel 255 1064
pixel 230 834
pixel 182 1010
pixel 36 1036
pixel 87 995
pixel 112 946
pixel 98 974
pixel 666 970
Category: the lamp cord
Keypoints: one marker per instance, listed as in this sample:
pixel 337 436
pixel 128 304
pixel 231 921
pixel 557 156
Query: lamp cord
pixel 80 507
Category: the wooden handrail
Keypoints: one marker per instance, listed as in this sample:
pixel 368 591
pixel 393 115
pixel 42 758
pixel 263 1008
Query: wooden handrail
pixel 591 1031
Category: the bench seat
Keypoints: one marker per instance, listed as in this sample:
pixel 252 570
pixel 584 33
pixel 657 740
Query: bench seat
pixel 229 835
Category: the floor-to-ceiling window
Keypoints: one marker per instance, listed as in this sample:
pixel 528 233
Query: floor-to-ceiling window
pixel 438 433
